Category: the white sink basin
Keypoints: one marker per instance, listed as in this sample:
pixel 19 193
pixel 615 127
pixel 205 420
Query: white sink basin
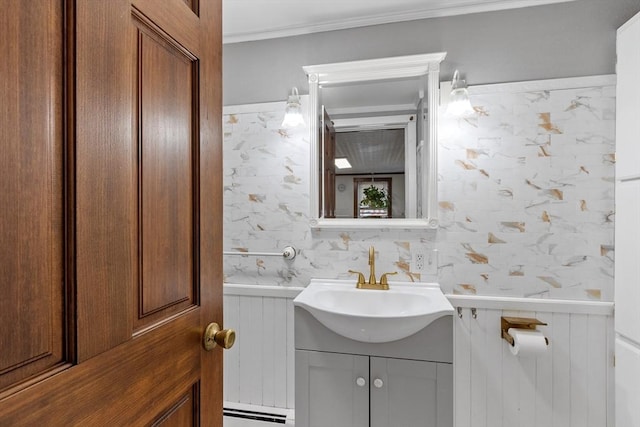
pixel 372 315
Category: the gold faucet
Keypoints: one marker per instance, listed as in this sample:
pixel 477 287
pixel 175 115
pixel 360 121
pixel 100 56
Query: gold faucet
pixel 372 266
pixel 373 284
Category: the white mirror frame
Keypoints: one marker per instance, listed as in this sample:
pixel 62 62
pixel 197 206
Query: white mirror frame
pixel 366 71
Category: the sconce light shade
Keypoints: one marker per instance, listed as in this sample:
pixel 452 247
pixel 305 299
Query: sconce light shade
pixel 293 111
pixel 459 104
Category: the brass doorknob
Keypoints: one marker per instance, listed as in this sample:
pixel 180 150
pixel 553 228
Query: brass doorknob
pixel 213 336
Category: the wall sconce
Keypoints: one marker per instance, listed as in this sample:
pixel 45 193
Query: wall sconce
pixel 293 111
pixel 459 104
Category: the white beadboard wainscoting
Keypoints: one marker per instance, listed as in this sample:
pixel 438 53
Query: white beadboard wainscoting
pixel 259 368
pixel 570 385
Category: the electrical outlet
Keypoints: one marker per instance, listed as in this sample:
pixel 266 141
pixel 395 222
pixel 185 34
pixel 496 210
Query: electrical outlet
pixel 417 262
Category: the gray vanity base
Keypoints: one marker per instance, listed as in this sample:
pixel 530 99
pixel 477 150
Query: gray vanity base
pixel 346 383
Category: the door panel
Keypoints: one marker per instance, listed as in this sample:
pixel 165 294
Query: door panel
pixel 32 307
pixel 183 412
pixel 627 100
pixel 105 175
pixel 627 226
pixel 168 178
pixel 407 395
pixel 627 385
pixel 327 389
pixel 627 268
pixel 177 19
pixel 130 385
pixel 111 197
pixel 193 5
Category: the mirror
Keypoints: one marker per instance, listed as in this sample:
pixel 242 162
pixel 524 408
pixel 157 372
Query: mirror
pixel 381 117
pixel 379 152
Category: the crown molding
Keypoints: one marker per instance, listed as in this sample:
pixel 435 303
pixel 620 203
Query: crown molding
pixel 436 11
pixel 548 84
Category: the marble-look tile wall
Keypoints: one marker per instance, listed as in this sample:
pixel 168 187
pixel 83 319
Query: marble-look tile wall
pixel 525 191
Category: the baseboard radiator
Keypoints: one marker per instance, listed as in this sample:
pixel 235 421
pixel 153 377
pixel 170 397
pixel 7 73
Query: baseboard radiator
pixel 280 419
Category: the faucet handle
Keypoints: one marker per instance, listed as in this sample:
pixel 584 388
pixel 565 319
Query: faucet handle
pixel 383 278
pixel 360 277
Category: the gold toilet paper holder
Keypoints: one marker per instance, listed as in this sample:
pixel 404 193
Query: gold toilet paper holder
pixel 519 323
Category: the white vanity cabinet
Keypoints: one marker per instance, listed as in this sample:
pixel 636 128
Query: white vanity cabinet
pixel 346 383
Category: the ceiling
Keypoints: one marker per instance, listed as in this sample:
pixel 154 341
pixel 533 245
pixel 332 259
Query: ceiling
pixel 377 151
pixel 246 20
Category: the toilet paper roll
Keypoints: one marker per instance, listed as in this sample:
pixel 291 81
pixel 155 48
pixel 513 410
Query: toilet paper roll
pixel 527 343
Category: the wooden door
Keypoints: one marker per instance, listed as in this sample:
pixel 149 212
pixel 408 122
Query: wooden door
pixel 328 190
pixel 110 232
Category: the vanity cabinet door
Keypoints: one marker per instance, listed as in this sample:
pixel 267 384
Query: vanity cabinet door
pixel 331 389
pixel 411 393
